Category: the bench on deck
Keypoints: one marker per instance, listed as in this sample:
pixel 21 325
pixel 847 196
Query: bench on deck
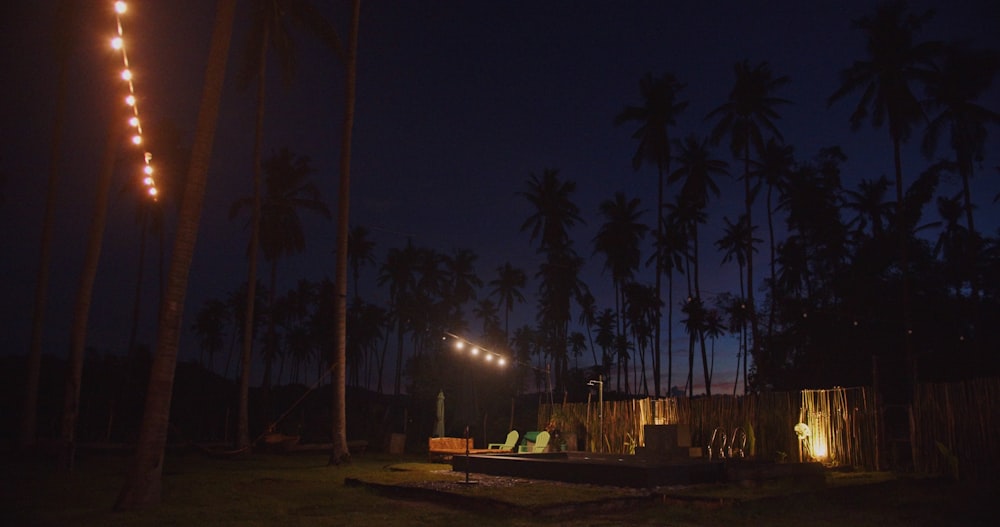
pixel 446 447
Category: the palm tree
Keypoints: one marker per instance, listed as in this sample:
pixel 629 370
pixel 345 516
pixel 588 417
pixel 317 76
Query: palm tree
pixel 210 326
pixel 171 160
pixel 269 31
pixel 886 80
pixel 966 74
pixel 868 202
pixel 559 278
pixel 734 244
pixel 81 309
pixel 953 242
pixel 486 311
pixel 748 119
pixel 672 251
pixel 606 321
pixel 64 35
pixel 714 328
pixel 340 453
pixel 288 190
pixel 641 306
pixel 963 78
pixel 360 252
pixel 553 214
pixel 577 343
pixel 618 240
pixel 460 269
pixel 507 288
pixel 694 324
pixel 735 309
pixel 143 485
pixel 588 316
pixel 399 273
pixel 656 116
pixel 696 169
pixel 777 161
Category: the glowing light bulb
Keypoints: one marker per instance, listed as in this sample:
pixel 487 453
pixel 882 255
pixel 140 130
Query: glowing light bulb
pixel 502 361
pixel 459 344
pixel 475 350
pixel 489 357
pixel 118 43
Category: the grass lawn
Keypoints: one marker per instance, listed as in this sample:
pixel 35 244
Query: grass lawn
pixel 375 489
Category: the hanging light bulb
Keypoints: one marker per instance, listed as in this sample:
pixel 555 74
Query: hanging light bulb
pixel 118 43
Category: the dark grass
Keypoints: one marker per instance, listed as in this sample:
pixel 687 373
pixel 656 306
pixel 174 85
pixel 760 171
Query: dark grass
pixel 301 490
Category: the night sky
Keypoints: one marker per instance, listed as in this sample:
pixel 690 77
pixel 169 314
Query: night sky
pixel 459 102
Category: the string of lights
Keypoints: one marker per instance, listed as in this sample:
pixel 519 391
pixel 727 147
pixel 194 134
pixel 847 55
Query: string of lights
pixel 476 350
pixel 118 44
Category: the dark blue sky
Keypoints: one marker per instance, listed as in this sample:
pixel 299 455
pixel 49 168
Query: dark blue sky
pixel 458 103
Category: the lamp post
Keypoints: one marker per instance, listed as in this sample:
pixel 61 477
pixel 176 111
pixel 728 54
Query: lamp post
pixel 600 410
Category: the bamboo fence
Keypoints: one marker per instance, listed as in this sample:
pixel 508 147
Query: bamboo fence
pixel 955 427
pixel 952 427
pixel 767 419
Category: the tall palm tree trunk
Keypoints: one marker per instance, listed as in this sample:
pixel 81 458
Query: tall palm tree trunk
pixel 670 336
pixel 748 205
pixel 143 485
pixel 137 295
pixel 81 310
pixel 774 274
pixel 910 370
pixel 658 284
pixel 700 332
pixel 340 453
pixel 243 415
pixel 29 417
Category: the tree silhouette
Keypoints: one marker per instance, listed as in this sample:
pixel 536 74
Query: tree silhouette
pixel 658 113
pixel 507 289
pixel 886 79
pixel 143 485
pixel 748 119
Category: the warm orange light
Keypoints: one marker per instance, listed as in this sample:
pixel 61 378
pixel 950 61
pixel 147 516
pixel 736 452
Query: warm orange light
pixel 475 350
pixel 502 361
pixel 118 43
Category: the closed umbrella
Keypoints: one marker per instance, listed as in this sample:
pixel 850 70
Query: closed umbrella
pixel 439 420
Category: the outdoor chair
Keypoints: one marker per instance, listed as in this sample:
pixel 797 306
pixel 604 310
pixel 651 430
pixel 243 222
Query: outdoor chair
pixel 508 445
pixel 541 443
